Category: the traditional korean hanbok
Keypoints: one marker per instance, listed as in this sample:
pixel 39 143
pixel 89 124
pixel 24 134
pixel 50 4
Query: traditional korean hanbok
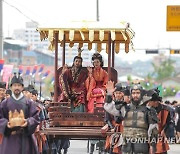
pixel 95 85
pixel 72 84
pixel 18 140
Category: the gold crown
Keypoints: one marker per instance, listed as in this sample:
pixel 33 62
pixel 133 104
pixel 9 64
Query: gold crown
pixel 16 118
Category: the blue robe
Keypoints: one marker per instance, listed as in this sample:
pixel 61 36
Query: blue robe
pixel 23 141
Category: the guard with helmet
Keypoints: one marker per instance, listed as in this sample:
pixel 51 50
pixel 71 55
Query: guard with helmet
pixel 139 123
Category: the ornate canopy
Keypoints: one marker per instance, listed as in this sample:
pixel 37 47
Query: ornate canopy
pixel 89 32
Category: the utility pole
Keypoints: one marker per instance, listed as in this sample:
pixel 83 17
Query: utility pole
pixel 1 29
pixel 97 10
pixel 97 18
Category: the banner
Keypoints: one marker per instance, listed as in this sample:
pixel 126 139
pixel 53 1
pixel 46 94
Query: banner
pixel 41 69
pixel 52 80
pixel 7 72
pixel 34 70
pixel 45 74
pixel 1 65
pixel 20 69
pixel 28 70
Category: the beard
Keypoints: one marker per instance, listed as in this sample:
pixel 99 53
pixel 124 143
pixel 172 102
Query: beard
pixel 17 92
pixel 136 101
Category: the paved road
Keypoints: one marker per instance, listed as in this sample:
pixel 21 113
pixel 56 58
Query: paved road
pixel 174 149
pixel 80 147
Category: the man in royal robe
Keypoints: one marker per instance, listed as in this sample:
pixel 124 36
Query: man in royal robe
pixel 72 85
pixel 19 118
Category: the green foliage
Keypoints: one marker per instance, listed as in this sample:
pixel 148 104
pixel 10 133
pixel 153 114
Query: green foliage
pixel 129 78
pixel 149 82
pixel 165 70
pixel 48 87
pixel 169 91
pixel 147 85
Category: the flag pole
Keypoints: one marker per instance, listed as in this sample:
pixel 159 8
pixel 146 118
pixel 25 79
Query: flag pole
pixel 40 89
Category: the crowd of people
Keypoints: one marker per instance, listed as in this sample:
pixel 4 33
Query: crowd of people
pixel 147 124
pixel 138 119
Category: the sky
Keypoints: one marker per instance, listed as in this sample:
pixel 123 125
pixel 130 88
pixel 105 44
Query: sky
pixel 146 17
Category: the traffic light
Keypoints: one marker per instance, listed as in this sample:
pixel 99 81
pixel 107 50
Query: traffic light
pixel 174 51
pixel 152 51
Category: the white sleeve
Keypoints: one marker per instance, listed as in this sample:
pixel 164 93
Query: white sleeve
pixel 110 108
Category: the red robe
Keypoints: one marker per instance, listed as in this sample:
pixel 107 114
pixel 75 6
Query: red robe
pixel 162 145
pixel 95 85
pixel 73 84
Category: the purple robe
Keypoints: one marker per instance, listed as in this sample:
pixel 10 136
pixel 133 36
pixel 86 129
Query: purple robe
pixel 22 142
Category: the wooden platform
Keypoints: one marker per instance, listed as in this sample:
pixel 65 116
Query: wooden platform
pixel 75 132
pixel 74 125
pixel 60 115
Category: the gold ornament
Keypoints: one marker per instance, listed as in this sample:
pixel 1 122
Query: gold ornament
pixel 16 118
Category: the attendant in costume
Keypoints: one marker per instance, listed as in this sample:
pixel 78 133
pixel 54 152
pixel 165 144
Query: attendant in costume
pixel 2 97
pixel 115 108
pixel 19 118
pixel 2 91
pixel 126 92
pixel 52 95
pixel 8 93
pixel 27 91
pixel 165 119
pixel 72 85
pixel 95 83
pixel 40 137
pixel 177 122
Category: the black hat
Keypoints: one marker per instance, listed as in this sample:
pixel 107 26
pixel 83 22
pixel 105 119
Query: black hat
pixel 26 89
pixel 17 79
pixel 157 90
pixel 30 88
pixel 34 92
pixel 8 91
pixel 167 102
pixel 127 91
pixel 3 85
pixel 118 87
pixel 154 95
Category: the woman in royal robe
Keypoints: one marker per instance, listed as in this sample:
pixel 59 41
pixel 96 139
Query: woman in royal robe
pixel 95 83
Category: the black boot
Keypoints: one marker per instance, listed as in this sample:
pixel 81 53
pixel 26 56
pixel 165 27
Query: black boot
pixel 92 148
pixel 59 151
pixel 65 151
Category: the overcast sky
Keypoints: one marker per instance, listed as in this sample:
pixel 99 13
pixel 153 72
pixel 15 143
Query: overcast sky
pixel 146 17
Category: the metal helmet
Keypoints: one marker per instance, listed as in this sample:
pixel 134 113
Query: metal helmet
pixel 136 87
pixel 118 87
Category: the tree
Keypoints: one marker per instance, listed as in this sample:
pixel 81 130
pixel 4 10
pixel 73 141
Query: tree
pixel 165 70
pixel 169 91
pixel 129 79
